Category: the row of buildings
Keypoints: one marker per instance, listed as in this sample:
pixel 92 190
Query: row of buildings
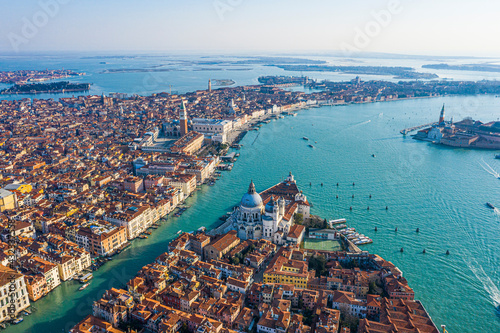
pixel 197 287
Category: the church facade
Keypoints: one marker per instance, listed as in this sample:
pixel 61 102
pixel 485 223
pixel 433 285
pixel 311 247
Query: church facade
pixel 270 214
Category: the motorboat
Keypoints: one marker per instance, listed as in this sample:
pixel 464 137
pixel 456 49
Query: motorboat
pixel 84 286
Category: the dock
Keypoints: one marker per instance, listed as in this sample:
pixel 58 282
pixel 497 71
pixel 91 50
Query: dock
pixel 415 128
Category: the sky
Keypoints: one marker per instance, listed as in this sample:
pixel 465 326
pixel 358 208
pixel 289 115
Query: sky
pixel 422 27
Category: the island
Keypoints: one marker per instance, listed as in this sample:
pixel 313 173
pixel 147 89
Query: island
pixel 223 82
pixel 466 67
pixel 397 72
pixel 46 88
pixel 24 76
pixel 467 133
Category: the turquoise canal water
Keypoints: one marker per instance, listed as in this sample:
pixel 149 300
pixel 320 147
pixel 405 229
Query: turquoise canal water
pixel 440 190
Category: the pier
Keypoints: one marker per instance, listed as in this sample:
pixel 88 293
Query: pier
pixel 415 128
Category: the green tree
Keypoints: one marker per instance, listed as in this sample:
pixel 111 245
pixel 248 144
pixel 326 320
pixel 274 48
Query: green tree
pixel 318 263
pixel 235 260
pixel 299 218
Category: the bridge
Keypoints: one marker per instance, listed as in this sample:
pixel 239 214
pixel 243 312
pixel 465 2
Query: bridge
pixel 415 128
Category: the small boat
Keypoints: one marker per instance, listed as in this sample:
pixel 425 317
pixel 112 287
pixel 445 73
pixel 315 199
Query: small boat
pixel 497 157
pixel 84 286
pixel 311 146
pixel 490 205
pixel 17 321
pixel 2 325
pixel 179 232
pixel 26 313
pixel 143 236
pixel 373 155
pixel 305 138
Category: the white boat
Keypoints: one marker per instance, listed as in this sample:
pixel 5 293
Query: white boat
pixel 84 286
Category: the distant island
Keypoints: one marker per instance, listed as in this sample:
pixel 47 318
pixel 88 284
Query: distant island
pixel 466 67
pixel 24 76
pixel 43 88
pixel 398 72
pixel 223 82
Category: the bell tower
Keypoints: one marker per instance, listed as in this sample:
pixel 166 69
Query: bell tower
pixel 441 117
pixel 183 121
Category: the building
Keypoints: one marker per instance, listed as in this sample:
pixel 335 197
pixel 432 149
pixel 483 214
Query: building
pixel 284 270
pixel 216 129
pixel 183 119
pixel 323 234
pixel 36 265
pixel 221 245
pixel 101 238
pixel 92 324
pixel 399 316
pixel 8 200
pixel 36 284
pixel 135 219
pixel 296 234
pixel 12 287
pixel 188 144
pixel 269 215
pixel 133 184
pixel 347 302
pixel 184 182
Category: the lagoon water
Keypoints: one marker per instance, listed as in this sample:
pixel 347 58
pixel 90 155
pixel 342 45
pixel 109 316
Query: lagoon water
pixel 440 190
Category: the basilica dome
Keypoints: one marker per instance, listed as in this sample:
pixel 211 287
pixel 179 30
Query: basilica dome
pixel 251 199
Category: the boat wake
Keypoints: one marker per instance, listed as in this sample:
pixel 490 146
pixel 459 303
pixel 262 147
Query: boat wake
pixel 483 278
pixel 489 169
pixel 362 123
pixel 489 286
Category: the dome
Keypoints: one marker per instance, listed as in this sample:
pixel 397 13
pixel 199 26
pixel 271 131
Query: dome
pixel 251 199
pixel 270 206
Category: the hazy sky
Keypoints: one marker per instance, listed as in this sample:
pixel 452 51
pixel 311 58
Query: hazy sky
pixel 435 27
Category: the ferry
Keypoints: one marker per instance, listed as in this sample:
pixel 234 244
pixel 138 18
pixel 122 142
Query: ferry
pixel 87 277
pixel 490 205
pixel 84 286
pixel 305 138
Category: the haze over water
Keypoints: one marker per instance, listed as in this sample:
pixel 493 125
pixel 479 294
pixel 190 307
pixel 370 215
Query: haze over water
pixel 440 190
